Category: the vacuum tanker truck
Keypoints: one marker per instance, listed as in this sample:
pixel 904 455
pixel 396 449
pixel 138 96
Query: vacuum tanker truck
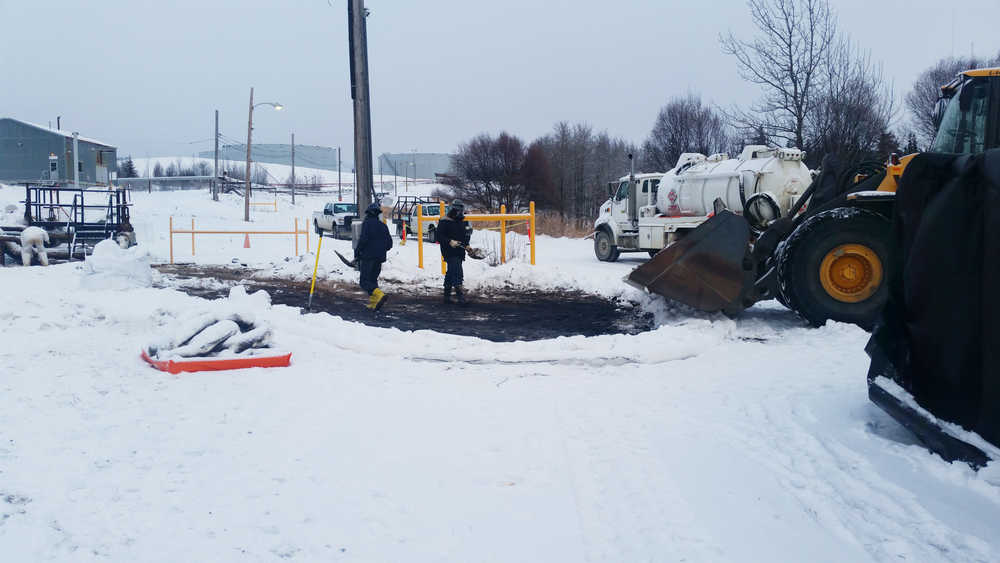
pixel 648 212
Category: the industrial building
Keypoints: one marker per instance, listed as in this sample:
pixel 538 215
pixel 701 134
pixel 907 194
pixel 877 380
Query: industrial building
pixel 33 153
pixel 409 165
pixel 414 164
pixel 309 156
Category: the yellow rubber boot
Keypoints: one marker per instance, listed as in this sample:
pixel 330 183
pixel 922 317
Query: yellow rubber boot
pixel 376 300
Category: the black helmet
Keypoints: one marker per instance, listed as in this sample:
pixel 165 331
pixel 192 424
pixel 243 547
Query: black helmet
pixel 456 208
pixel 373 210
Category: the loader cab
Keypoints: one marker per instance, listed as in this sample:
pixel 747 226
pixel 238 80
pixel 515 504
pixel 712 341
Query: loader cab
pixel 968 113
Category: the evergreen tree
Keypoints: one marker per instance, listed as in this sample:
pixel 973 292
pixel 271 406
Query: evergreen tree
pixel 157 170
pixel 911 144
pixel 128 169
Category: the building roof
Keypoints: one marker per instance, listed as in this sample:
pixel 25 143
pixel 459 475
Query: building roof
pixel 67 134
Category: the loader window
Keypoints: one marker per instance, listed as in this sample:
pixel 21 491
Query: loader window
pixel 963 125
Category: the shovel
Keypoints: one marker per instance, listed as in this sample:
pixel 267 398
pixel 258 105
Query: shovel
pixel 474 253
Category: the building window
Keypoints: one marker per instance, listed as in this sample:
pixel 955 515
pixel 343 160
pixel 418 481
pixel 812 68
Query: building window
pixel 79 166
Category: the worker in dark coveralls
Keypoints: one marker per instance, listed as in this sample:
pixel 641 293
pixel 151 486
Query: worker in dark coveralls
pixel 373 243
pixel 453 233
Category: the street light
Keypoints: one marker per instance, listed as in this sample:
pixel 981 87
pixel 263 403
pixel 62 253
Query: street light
pixel 246 195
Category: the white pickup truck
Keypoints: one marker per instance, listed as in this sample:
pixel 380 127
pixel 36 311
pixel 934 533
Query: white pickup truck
pixel 335 219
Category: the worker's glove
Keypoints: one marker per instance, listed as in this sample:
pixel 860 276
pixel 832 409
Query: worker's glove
pixel 453 243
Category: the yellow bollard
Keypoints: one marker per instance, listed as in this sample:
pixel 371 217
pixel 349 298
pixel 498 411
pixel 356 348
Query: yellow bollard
pixel 420 236
pixel 503 235
pixel 444 265
pixel 312 287
pixel 296 230
pixel 531 210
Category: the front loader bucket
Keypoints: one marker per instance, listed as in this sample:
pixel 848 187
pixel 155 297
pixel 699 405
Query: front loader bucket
pixel 705 269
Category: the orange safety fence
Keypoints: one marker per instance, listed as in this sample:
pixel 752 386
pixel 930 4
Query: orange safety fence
pixel 271 204
pixel 192 231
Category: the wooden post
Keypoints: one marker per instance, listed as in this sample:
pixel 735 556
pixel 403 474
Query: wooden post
pixel 420 236
pixel 307 237
pixel 503 235
pixel 246 196
pixel 192 236
pixel 171 239
pixel 532 234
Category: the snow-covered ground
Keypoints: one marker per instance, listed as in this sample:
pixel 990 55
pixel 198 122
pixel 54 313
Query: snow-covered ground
pixel 706 439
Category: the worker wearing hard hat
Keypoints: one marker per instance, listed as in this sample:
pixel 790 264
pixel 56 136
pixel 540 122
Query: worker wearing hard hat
pixel 373 243
pixel 453 234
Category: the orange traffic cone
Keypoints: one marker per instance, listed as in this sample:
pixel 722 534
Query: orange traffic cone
pixel 246 240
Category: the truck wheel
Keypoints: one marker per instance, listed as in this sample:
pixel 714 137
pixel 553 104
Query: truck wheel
pixel 833 267
pixel 319 231
pixel 605 250
pixel 431 235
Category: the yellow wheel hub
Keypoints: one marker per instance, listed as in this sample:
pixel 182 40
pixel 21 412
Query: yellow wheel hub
pixel 851 273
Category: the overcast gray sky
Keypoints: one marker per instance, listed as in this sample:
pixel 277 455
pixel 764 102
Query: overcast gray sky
pixel 146 76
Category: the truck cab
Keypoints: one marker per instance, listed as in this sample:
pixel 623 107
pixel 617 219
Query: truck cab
pixel 614 217
pixel 335 219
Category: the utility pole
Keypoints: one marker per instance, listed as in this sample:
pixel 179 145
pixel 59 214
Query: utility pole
pixel 358 43
pixel 246 192
pixel 293 168
pixel 340 194
pixel 215 178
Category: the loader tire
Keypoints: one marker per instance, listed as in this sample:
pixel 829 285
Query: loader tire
pixel 604 247
pixel 833 267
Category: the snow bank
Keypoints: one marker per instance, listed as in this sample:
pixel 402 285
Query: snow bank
pixel 112 267
pixel 709 439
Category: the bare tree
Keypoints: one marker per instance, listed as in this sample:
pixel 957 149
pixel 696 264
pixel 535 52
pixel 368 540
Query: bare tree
pixel 852 113
pixel 487 172
pixel 537 176
pixel 580 163
pixel 785 60
pixel 924 94
pixel 683 125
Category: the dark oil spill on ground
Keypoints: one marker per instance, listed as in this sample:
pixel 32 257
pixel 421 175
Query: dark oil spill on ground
pixel 500 316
